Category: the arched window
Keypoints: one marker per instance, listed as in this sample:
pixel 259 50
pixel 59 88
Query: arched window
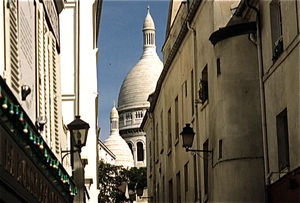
pixel 130 147
pixel 140 151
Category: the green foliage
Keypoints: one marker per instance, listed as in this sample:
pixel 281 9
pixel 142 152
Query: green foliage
pixel 111 177
pixel 136 176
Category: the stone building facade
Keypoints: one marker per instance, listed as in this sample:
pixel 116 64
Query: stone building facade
pixel 79 27
pixel 234 76
pixel 31 124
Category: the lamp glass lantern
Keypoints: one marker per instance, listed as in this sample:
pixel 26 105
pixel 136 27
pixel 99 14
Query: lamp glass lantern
pixel 187 136
pixel 78 132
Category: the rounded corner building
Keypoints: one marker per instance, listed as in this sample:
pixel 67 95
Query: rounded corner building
pixel 139 83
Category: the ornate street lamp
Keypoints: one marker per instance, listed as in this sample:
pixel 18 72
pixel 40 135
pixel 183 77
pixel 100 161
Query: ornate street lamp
pixel 188 138
pixel 78 132
pixel 78 135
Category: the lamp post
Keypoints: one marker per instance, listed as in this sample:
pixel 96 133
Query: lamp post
pixel 188 138
pixel 78 136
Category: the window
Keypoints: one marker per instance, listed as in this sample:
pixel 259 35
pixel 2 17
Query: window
pixel 203 92
pixel 205 147
pixel 171 191
pixel 156 141
pixel 130 147
pixel 163 190
pixel 13 46
pixel 178 187
pixel 121 119
pixel 183 102
pixel 169 129
pixel 282 140
pixel 220 148
pixel 276 29
pixel 140 151
pixel 157 193
pixel 162 130
pixel 195 179
pixel 114 125
pixel 192 92
pixel 128 116
pixel 150 152
pixel 139 114
pixel 176 119
pixel 186 177
pixel 185 88
pixel 218 67
pixel 150 149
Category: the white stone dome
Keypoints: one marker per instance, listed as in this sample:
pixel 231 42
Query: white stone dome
pixel 119 147
pixel 141 81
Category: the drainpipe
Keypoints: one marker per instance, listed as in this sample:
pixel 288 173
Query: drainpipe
pixel 262 93
pixel 151 116
pixel 77 57
pixel 196 106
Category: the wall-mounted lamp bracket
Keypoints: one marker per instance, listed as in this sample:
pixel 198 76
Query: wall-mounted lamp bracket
pixel 198 151
pixel 68 152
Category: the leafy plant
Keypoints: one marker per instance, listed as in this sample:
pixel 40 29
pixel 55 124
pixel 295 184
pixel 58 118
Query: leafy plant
pixel 112 177
pixel 136 176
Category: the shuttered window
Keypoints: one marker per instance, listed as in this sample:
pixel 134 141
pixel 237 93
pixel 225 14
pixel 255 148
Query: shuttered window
pixel 41 73
pixel 48 81
pixel 13 45
pixel 53 88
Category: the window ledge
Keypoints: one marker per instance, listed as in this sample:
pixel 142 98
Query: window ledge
pixel 286 52
pixel 205 199
pixel 176 141
pixel 204 105
pixel 162 150
pixel 169 151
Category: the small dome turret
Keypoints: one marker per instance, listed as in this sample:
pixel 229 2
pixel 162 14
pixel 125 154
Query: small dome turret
pixel 148 23
pixel 114 120
pixel 116 143
pixel 114 112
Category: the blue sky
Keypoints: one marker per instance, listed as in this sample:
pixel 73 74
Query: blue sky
pixel 120 44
